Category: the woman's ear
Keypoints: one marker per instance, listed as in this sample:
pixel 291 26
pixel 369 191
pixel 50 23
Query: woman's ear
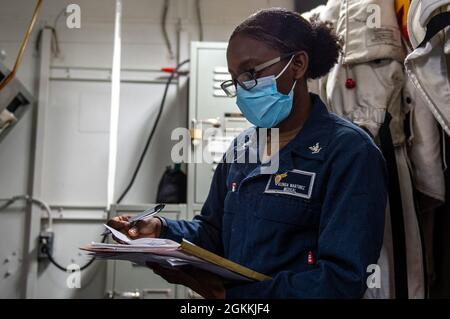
pixel 300 65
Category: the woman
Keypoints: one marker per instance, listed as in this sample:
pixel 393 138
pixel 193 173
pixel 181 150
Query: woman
pixel 317 224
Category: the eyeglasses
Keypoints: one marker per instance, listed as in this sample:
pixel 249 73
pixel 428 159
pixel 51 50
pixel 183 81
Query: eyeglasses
pixel 248 80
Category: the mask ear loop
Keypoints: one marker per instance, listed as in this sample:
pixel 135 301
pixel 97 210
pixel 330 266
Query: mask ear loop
pixel 285 68
pixel 293 85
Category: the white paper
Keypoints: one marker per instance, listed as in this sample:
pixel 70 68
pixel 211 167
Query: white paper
pixel 151 242
pixel 157 250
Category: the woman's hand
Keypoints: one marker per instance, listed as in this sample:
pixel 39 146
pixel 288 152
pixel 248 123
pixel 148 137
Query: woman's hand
pixel 204 283
pixel 150 228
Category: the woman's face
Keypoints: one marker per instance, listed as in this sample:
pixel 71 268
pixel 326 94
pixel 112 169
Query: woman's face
pixel 244 53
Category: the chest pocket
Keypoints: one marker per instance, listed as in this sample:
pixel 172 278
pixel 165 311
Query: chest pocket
pixel 288 210
pixel 232 226
pixel 231 203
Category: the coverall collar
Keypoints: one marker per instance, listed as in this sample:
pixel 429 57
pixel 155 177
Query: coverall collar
pixel 313 138
pixel 311 142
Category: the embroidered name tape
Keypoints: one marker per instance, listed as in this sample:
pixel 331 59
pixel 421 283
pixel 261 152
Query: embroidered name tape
pixel 295 182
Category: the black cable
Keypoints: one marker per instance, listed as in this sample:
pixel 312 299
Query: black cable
pixel 44 248
pixel 57 265
pixel 150 137
pixel 55 42
pixel 50 257
pixel 199 19
pixel 9 202
pixel 164 29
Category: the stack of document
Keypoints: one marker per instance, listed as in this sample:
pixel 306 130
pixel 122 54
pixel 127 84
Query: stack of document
pixel 168 253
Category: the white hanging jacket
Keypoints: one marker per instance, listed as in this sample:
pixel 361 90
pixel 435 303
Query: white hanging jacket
pixel 372 54
pixel 428 66
pixel 370 31
pixel 373 59
pixel 424 146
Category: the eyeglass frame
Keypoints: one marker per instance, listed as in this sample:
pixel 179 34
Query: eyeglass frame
pixel 253 72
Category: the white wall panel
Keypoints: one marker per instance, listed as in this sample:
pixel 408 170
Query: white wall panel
pixel 76 153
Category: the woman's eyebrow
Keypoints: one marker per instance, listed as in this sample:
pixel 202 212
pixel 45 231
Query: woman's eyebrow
pixel 247 64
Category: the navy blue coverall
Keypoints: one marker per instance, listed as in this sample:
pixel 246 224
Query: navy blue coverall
pixel 314 228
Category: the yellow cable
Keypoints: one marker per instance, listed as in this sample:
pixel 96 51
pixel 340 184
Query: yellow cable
pixel 11 75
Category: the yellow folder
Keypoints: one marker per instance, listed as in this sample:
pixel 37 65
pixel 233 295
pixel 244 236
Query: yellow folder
pixel 194 250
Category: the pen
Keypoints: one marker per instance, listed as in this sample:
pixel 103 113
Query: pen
pixel 145 215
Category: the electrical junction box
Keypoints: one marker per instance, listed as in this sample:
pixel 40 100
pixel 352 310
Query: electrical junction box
pixel 45 245
pixel 15 100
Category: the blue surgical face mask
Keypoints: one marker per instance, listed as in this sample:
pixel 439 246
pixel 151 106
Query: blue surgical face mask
pixel 264 106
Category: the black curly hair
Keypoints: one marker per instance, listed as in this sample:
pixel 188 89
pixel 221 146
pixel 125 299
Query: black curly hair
pixel 288 31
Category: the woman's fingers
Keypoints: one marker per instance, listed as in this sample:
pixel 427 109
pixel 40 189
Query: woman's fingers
pixel 149 228
pixel 145 228
pixel 118 222
pixel 142 228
